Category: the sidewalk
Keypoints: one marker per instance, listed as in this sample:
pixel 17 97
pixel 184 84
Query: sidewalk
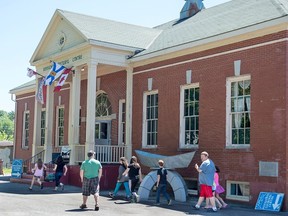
pixel 16 199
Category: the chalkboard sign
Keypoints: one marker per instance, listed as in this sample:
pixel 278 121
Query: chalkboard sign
pixel 17 168
pixel 269 201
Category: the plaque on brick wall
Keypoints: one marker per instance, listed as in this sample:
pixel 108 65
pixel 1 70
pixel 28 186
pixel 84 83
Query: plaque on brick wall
pixel 269 169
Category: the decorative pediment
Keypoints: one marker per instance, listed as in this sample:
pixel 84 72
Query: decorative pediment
pixel 60 35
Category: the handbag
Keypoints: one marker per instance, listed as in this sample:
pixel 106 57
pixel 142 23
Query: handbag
pixel 219 189
pixel 50 177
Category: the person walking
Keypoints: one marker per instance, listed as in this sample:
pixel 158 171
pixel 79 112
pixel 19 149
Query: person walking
pixel 122 179
pixel 38 171
pixel 161 183
pixel 219 189
pixel 60 169
pixel 206 179
pixel 90 175
pixel 135 176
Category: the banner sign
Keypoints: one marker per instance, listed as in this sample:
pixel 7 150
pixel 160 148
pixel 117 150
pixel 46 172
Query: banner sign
pixel 269 201
pixel 17 168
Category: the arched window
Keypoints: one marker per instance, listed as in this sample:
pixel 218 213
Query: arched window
pixel 103 105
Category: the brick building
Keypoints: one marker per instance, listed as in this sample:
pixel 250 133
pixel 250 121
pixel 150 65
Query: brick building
pixel 213 80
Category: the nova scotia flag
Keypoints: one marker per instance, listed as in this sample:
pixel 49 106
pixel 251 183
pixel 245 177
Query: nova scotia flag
pixel 54 73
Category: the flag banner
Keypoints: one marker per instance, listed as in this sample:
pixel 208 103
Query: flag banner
pixel 54 73
pixel 62 79
pixel 31 72
pixel 40 91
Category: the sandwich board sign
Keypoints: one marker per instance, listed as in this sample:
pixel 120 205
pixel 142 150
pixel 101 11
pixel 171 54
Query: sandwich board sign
pixel 269 201
pixel 17 168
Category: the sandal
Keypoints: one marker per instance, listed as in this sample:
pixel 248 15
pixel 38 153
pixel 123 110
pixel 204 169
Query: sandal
pixel 83 206
pixel 96 208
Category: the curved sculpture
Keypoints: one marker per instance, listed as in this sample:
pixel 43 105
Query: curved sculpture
pixel 171 162
pixel 174 178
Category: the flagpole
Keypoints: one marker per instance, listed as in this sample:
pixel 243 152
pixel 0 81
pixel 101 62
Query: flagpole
pixel 39 74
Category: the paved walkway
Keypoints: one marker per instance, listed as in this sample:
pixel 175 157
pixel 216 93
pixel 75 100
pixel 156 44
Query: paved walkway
pixel 17 200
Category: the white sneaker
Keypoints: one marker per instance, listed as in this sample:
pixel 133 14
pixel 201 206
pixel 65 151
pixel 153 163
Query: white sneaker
pixel 137 198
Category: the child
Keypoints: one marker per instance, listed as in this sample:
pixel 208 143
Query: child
pixel 38 173
pixel 162 183
pixel 219 189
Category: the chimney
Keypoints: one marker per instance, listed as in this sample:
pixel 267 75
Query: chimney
pixel 190 8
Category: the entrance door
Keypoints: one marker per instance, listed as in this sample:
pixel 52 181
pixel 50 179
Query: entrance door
pixel 103 141
pixel 103 133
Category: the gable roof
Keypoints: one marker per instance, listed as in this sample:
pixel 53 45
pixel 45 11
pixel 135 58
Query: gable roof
pixel 108 31
pixel 224 18
pixel 26 86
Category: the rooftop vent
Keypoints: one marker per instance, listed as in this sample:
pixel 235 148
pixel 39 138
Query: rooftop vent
pixel 190 8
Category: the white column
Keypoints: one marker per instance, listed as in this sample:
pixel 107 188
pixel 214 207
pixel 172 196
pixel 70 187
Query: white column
pixel 74 108
pixel 37 124
pixel 49 124
pixel 129 100
pixel 91 102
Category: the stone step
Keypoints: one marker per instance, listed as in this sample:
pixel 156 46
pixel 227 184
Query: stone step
pixel 27 180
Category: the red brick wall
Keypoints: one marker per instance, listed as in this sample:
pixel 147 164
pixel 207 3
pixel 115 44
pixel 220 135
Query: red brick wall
pixel 267 67
pixel 21 101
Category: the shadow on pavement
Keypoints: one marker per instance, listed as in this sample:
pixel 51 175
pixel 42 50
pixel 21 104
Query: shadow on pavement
pixel 15 188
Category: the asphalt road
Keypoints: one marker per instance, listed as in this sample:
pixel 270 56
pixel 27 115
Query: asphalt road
pixel 17 200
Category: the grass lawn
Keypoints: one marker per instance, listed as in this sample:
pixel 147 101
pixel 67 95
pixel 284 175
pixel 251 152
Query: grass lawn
pixel 7 171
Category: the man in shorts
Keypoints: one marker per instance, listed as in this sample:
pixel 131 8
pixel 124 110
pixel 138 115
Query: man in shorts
pixel 90 174
pixel 206 178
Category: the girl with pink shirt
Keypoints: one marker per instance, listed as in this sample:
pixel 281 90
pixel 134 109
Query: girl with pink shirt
pixel 219 189
pixel 38 173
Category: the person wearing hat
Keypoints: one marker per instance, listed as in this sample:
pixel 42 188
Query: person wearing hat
pixel 90 174
pixel 206 179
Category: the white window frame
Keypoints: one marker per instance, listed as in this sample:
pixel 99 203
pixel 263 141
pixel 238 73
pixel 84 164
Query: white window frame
pixel 237 197
pixel 121 123
pixel 144 120
pixel 25 130
pixel 229 115
pixel 42 128
pixel 182 119
pixel 58 127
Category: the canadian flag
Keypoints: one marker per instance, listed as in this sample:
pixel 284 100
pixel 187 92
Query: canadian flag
pixel 62 79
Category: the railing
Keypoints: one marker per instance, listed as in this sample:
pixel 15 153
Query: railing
pixel 27 164
pixel 104 153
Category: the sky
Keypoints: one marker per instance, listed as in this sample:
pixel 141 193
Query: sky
pixel 23 23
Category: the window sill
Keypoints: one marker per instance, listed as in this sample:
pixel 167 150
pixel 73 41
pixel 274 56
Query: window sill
pixel 183 147
pixel 244 146
pixel 150 147
pixel 238 198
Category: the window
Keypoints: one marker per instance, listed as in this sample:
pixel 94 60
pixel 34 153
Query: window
pixel 122 119
pixel 150 119
pixel 43 120
pixel 189 116
pixel 103 105
pixel 25 136
pixel 238 190
pixel 238 111
pixel 60 126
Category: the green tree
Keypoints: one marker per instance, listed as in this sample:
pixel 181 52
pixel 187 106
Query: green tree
pixel 6 125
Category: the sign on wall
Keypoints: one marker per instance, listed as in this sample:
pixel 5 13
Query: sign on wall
pixel 17 168
pixel 269 201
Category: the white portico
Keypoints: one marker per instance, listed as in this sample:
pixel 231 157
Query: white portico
pixel 93 54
